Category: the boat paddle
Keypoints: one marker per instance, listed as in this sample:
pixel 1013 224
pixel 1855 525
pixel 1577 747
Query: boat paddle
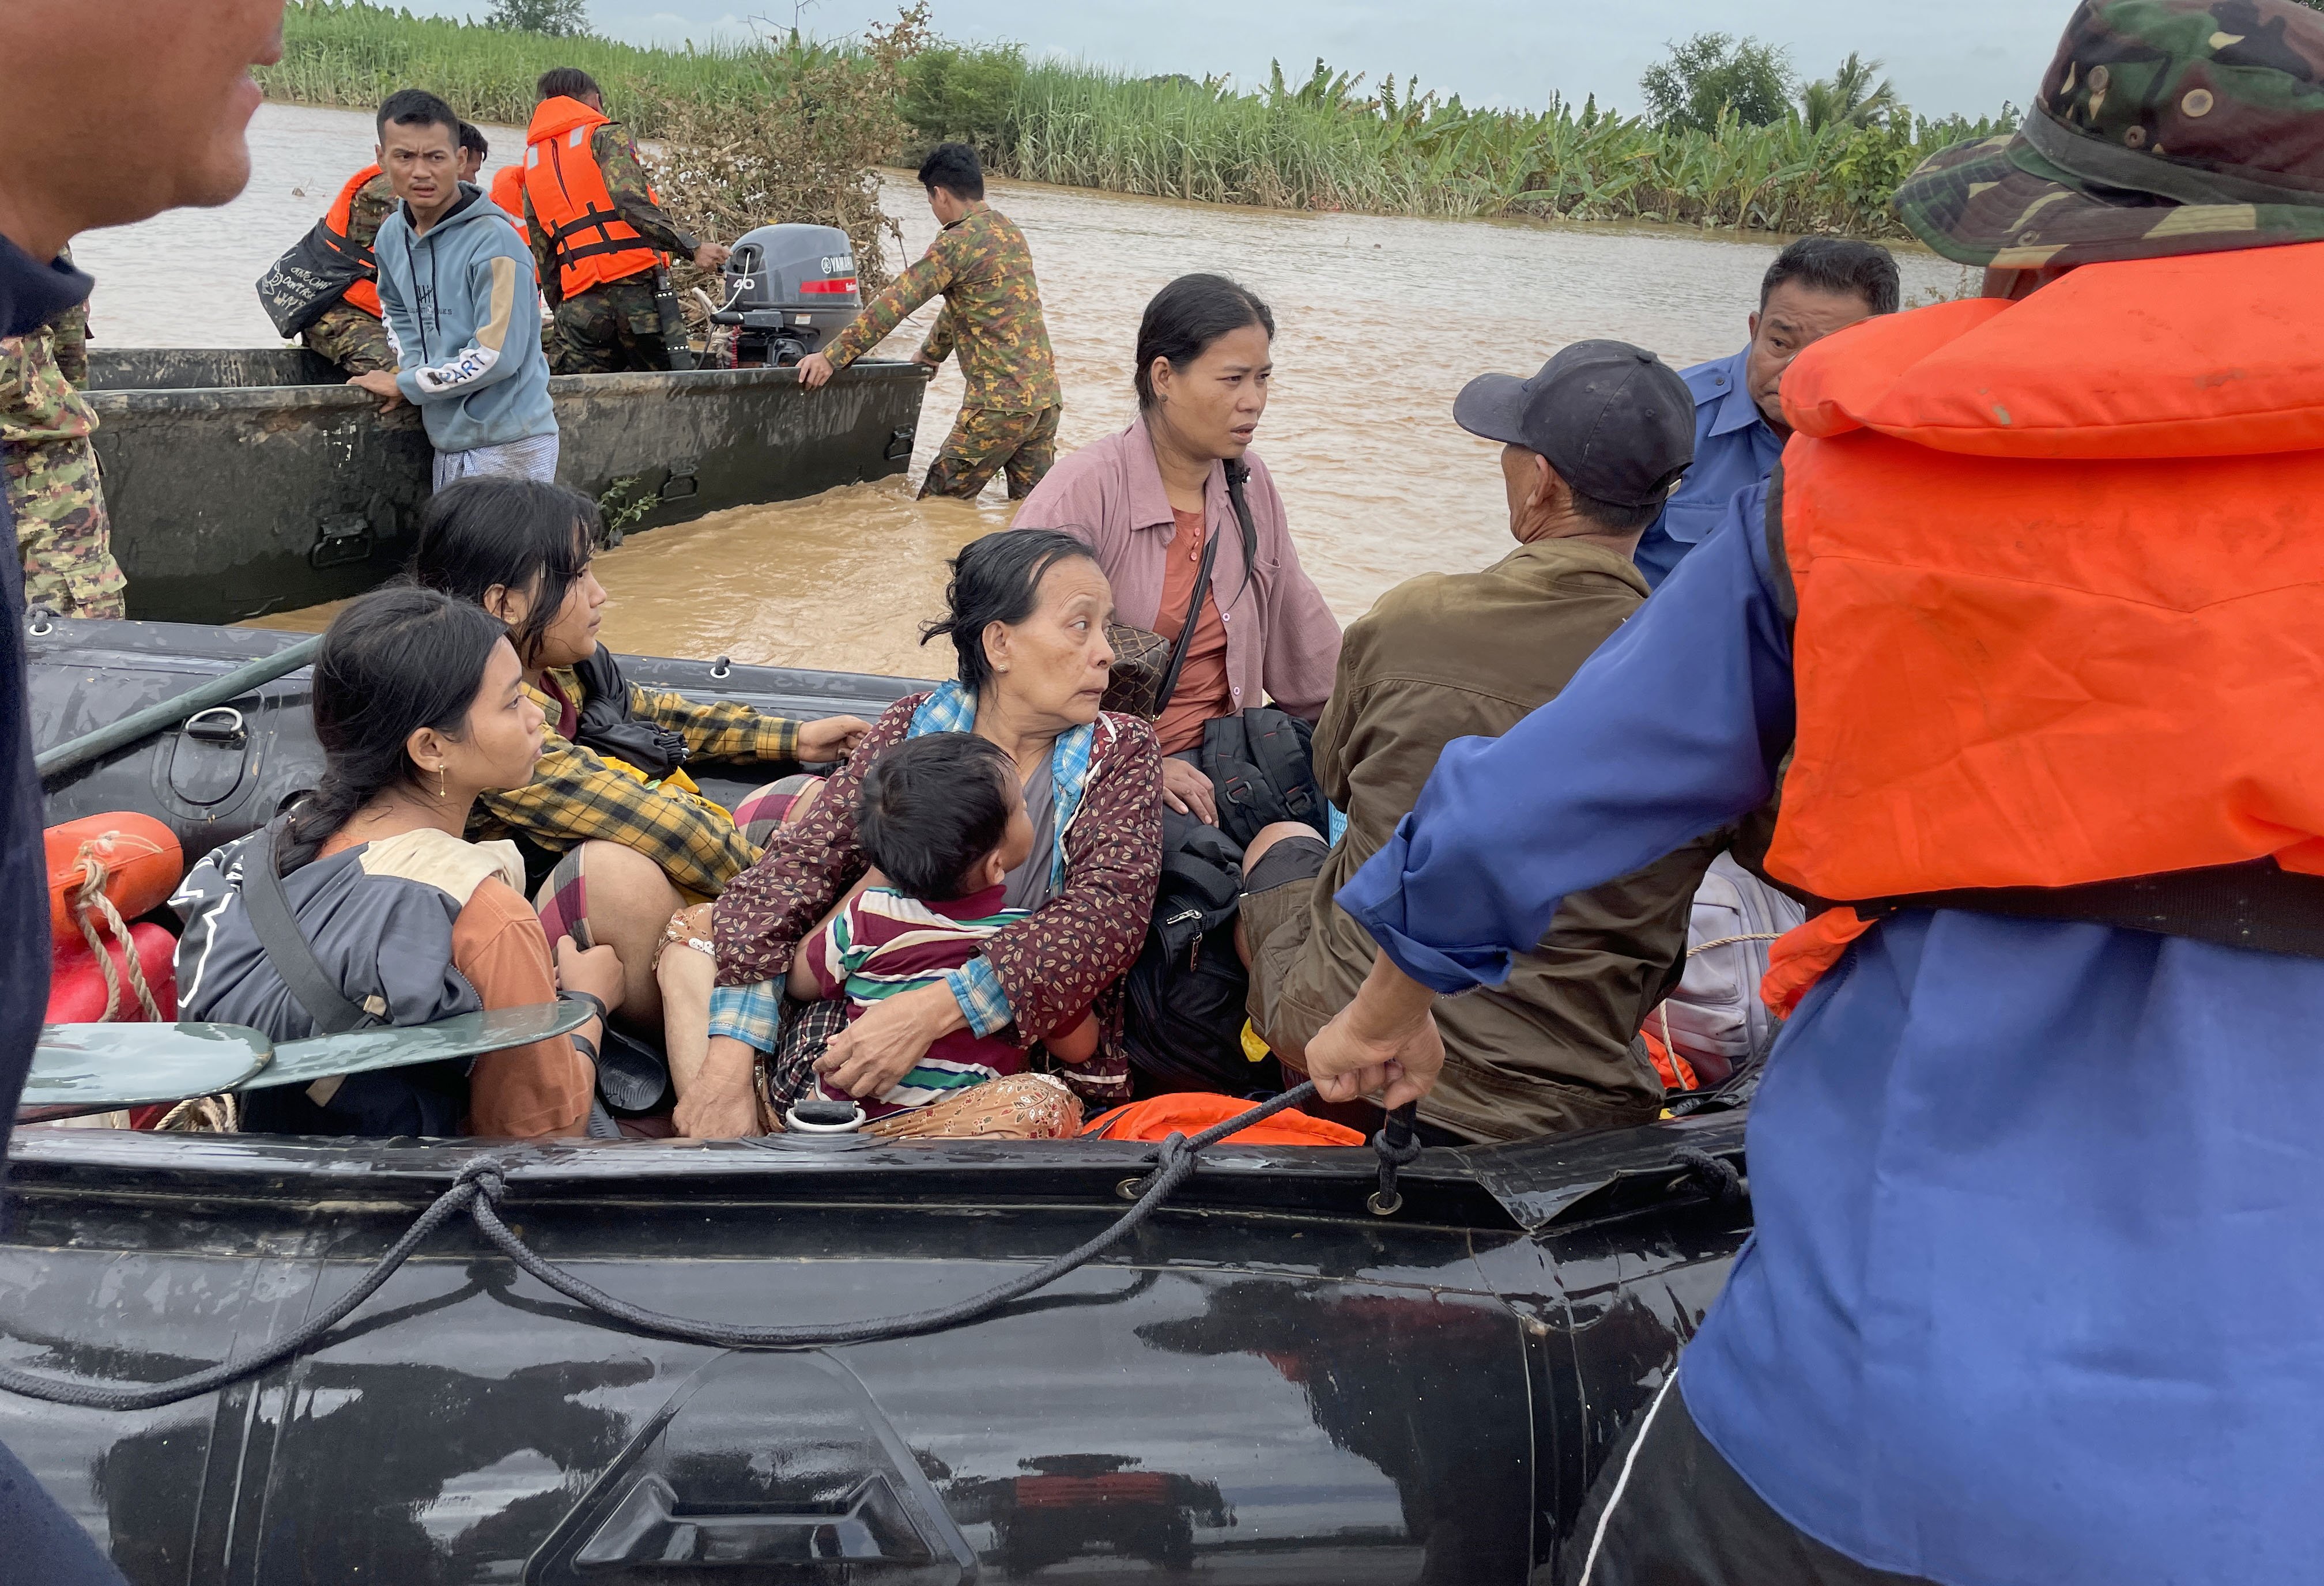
pixel 80 1068
pixel 76 752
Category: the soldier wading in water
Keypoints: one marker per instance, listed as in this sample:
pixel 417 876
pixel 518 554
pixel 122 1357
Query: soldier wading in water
pixel 982 268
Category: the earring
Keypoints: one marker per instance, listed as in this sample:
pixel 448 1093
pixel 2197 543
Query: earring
pixel 439 783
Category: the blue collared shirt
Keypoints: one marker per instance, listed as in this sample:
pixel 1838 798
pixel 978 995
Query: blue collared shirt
pixel 2037 1239
pixel 1734 449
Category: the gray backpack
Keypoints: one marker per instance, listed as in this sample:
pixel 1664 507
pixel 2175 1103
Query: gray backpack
pixel 1715 1020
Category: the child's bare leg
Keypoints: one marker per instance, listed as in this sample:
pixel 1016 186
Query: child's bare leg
pixel 686 977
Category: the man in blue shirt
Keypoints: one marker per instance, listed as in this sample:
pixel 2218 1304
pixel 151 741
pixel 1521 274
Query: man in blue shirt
pixel 1816 286
pixel 108 114
pixel 2025 1298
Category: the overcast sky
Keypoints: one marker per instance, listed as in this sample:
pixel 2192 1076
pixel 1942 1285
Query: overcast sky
pixel 1944 55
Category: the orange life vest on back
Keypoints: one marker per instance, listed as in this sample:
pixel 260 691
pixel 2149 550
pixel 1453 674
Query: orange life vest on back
pixel 365 293
pixel 2059 569
pixel 594 244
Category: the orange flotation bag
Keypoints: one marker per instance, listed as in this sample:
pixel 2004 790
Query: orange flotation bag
pixel 138 857
pixel 1191 1111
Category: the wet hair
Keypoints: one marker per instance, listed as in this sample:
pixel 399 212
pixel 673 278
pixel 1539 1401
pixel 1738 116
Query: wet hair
pixel 996 579
pixel 1838 264
pixel 417 107
pixel 519 533
pixel 1186 317
pixel 954 168
pixel 473 141
pixel 395 660
pixel 932 808
pixel 567 82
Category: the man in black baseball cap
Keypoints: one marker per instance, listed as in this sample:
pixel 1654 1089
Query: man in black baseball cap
pixel 1607 430
pixel 1590 446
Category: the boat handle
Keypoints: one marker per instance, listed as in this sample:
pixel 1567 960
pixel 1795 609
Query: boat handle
pixel 228 728
pixel 826 1541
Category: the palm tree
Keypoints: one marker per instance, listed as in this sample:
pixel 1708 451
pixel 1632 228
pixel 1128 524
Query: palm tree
pixel 1849 96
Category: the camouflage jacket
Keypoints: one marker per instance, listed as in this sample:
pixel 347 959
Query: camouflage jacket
pixel 37 400
pixel 633 195
pixel 69 334
pixel 374 202
pixel 991 315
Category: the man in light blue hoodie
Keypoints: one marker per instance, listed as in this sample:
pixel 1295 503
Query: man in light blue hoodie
pixel 461 305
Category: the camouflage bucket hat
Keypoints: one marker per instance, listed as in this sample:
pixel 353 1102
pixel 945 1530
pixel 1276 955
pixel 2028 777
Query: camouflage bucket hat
pixel 2163 127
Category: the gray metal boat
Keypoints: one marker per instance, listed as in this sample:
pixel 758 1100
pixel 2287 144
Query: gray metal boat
pixel 250 481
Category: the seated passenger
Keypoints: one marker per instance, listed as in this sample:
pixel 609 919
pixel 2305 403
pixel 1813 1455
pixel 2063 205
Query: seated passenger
pixel 1592 446
pixel 1147 500
pixel 1027 620
pixel 610 806
pixel 1816 286
pixel 421 707
pixel 943 821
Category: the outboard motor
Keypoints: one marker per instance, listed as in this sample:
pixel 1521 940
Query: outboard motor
pixel 790 289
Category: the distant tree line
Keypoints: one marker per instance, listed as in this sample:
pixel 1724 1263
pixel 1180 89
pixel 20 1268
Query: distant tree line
pixel 1711 75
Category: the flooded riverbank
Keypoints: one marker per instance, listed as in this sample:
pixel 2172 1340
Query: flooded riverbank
pixel 1380 321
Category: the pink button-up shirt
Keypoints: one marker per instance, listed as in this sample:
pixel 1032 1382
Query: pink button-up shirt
pixel 1283 642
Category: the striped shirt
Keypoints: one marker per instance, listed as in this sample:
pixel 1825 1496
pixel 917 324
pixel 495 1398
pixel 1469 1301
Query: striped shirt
pixel 884 943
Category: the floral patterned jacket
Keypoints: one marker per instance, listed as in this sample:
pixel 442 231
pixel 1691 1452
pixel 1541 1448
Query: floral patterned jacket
pixel 1067 956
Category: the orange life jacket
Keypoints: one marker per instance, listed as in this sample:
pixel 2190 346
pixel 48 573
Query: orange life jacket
pixel 594 244
pixel 507 192
pixel 365 293
pixel 2060 570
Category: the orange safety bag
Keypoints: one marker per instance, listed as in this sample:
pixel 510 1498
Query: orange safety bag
pixel 1189 1112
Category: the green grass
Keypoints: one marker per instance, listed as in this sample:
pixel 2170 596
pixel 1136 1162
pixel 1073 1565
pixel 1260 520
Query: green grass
pixel 1322 144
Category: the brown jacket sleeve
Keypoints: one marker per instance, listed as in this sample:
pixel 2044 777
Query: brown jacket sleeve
pixel 1055 963
pixel 543 1089
pixel 757 921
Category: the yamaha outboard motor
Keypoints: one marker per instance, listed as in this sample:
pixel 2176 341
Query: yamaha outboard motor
pixel 790 289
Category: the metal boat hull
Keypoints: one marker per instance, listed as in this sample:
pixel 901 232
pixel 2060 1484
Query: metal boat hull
pixel 241 483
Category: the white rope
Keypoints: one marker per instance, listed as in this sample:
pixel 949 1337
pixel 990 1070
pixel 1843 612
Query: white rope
pixel 91 897
pixel 1730 941
pixel 1613 1499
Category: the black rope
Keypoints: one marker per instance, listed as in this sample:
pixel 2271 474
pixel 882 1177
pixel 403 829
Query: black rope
pixel 1716 1175
pixel 478 1189
pixel 1397 1143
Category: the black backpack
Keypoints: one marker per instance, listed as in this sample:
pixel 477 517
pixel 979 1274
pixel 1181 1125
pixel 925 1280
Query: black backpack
pixel 1188 989
pixel 1261 765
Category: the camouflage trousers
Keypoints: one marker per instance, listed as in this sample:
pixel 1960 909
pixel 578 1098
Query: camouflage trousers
pixel 611 329
pixel 351 338
pixel 985 440
pixel 62 532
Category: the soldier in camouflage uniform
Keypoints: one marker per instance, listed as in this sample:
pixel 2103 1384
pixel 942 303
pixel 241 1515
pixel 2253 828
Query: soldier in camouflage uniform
pixel 616 325
pixel 53 491
pixel 354 340
pixel 980 265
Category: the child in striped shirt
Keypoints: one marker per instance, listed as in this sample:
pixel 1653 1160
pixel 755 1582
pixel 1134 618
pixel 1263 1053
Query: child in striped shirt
pixel 944 821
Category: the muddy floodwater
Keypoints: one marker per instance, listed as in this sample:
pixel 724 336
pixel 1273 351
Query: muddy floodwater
pixel 1379 321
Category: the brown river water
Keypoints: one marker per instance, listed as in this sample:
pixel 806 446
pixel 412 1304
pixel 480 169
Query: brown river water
pixel 1380 322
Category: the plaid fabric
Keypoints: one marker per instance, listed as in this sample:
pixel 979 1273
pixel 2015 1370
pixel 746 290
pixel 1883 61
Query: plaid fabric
pixel 576 797
pixel 751 1014
pixel 761 1017
pixel 771 806
pixel 564 912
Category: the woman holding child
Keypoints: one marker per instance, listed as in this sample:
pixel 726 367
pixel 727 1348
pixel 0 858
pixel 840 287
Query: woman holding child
pixel 1047 872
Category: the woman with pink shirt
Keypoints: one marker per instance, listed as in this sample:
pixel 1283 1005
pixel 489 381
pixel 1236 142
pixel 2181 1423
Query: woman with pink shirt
pixel 1147 499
